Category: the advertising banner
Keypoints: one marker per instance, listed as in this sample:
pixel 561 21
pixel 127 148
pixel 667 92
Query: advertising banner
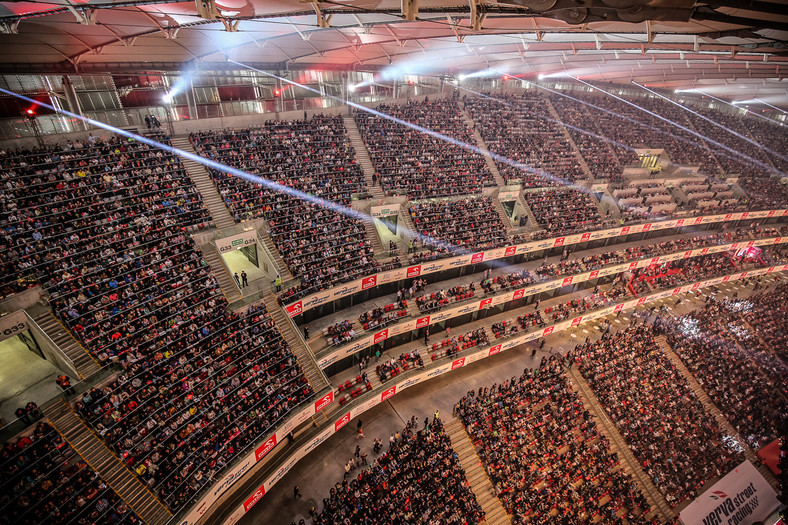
pixel 742 497
pixel 384 211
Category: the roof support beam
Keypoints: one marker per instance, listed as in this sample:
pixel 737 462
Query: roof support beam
pixel 410 10
pixel 477 14
pixel 323 21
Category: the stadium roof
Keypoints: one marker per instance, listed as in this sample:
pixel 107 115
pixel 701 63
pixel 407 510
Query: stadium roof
pixel 675 44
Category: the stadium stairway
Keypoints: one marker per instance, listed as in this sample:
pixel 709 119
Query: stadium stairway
pixel 96 454
pixel 204 184
pixel 220 271
pixel 532 224
pixel 276 257
pixel 618 445
pixel 507 222
pixel 374 237
pixel 362 155
pixel 486 151
pixel 85 364
pixel 305 358
pixel 554 114
pixel 712 409
pixel 494 512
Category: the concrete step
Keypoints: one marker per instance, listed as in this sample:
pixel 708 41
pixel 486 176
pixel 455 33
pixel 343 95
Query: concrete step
pixel 294 339
pixel 475 473
pixel 279 262
pixel 85 364
pixel 204 184
pixel 96 454
pixel 485 150
pixel 362 156
pixel 222 274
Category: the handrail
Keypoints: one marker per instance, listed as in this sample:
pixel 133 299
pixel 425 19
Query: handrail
pixel 308 302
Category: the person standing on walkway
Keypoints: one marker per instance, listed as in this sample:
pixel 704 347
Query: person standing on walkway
pixel 237 279
pixel 278 283
pixel 359 430
pixel 244 279
pixel 296 492
pixel 306 332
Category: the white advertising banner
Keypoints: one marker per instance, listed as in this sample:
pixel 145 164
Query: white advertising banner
pixel 411 272
pixel 742 497
pixel 235 242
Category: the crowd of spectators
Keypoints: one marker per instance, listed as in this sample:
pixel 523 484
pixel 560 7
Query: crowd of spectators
pixel 320 246
pixel 62 206
pixel 381 316
pixel 45 481
pixel 418 480
pixel 519 127
pixel 180 412
pixel 545 456
pixel 470 224
pixel 410 161
pixel 678 443
pixel 564 211
pixel 605 157
pixel 744 380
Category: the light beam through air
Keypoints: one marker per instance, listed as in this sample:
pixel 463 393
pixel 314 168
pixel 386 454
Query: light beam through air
pixel 732 132
pixel 760 164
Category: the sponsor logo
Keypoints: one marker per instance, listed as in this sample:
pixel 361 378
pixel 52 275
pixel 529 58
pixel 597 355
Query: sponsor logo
pixel 458 262
pixel 437 318
pixel 576 321
pixel 745 214
pixel 717 494
pixel 624 230
pixel 743 275
pixel 770 269
pixel 597 235
pixel 698 220
pixel 477 257
pixel 388 393
pixel 676 291
pixel 413 271
pixel 314 301
pixel 726 278
pixel 421 322
pixel 734 245
pixel 771 213
pixel 369 282
pixel 466 309
pixel 777 240
pixel 687 254
pixel 265 448
pixel 431 268
pixel 680 222
pixel 494 349
pixel 485 303
pixel 646 227
pixel 750 243
pixel 548 330
pixel 618 307
pixel 459 363
pixel 728 217
pixel 696 286
pixel 327 361
pixel 232 478
pixel 633 265
pixel 294 309
pixel 345 290
pixel 567 281
pixel 510 250
pixel 315 442
pixel 254 498
pixel 438 371
pixel 704 251
pixel 410 382
pixel 594 274
pixel 543 245
pixel 341 422
pixel 559 241
pixel 642 300
pixel 324 401
pixel 585 237
pixel 518 294
pixel 655 260
pixel 380 336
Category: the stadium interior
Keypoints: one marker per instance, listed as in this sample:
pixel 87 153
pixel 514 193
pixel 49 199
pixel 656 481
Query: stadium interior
pixel 393 262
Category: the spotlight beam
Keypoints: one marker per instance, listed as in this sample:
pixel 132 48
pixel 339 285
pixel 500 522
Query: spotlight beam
pixel 702 137
pixel 732 132
pixel 773 107
pixel 737 107
pixel 267 183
